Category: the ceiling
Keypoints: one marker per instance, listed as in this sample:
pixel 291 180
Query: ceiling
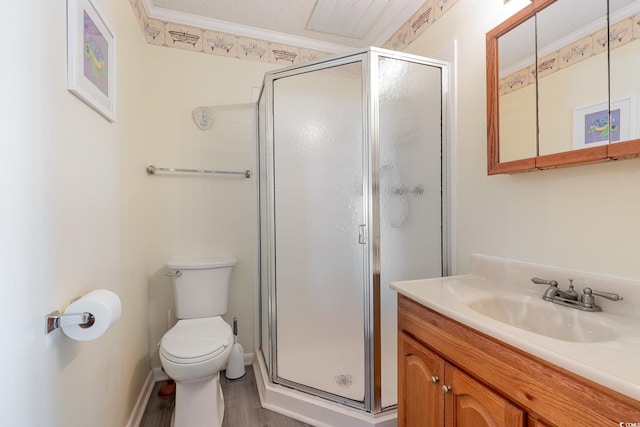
pixel 287 21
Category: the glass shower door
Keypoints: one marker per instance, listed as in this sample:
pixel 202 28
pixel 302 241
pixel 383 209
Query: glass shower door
pixel 319 211
pixel 410 195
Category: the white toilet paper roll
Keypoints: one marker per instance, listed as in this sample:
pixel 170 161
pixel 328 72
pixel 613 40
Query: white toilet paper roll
pixel 105 308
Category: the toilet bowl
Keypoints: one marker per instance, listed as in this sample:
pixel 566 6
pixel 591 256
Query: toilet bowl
pixel 198 346
pixel 192 353
pixel 195 349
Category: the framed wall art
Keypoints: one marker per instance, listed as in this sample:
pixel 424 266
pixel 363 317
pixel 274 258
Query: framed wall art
pixel 591 125
pixel 90 58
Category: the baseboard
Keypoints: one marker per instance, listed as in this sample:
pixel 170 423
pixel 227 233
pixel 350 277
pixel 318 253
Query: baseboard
pixel 159 375
pixel 141 403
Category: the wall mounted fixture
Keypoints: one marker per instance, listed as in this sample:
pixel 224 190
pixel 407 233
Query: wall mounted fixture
pixel 87 317
pixel 203 117
pixel 151 170
pixel 524 2
pixel 55 320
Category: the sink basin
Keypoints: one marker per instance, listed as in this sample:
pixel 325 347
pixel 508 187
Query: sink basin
pixel 545 318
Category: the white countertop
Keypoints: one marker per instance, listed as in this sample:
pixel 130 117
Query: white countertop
pixel 613 364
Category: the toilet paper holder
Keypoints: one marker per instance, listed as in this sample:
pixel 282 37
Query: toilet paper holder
pixel 55 319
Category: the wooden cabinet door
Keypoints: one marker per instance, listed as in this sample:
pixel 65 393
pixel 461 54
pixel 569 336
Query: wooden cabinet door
pixel 420 379
pixel 532 421
pixel 471 404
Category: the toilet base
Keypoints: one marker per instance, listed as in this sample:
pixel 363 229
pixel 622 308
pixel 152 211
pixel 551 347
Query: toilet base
pixel 199 404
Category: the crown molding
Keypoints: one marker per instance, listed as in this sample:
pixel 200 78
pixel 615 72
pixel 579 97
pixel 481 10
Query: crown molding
pixel 182 18
pixel 587 30
pixel 590 29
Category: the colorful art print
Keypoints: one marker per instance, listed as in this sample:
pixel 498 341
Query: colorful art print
pixel 90 57
pixel 605 123
pixel 597 127
pixel 96 55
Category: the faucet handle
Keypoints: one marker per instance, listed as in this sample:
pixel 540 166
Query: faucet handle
pixel 607 295
pixel 571 292
pixel 587 298
pixel 540 281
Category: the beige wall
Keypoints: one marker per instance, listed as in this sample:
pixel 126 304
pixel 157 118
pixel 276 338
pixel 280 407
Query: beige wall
pixel 72 220
pixel 625 61
pixel 518 124
pixel 80 213
pixel 200 216
pixel 581 218
pixel 582 84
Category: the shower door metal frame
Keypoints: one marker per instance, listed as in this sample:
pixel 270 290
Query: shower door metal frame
pixel 374 319
pixel 270 78
pixel 371 199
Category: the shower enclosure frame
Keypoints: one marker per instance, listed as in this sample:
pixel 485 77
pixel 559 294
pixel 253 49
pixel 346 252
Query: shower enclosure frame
pixel 371 184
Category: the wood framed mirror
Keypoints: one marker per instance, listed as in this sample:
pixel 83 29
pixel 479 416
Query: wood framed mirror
pixel 559 91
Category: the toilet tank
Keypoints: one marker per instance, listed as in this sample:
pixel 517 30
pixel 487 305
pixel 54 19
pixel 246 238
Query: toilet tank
pixel 201 288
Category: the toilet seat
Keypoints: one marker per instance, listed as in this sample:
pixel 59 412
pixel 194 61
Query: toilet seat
pixel 196 340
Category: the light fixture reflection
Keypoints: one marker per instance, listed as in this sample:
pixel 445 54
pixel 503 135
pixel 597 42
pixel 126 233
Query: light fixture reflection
pixel 522 3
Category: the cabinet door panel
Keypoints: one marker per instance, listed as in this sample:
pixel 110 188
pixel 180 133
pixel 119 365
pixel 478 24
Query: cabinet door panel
pixel 534 422
pixel 421 402
pixel 470 404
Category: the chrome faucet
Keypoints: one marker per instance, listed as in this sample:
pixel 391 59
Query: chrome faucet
pixel 553 290
pixel 570 298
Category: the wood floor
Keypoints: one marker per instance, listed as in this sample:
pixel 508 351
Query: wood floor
pixel 241 402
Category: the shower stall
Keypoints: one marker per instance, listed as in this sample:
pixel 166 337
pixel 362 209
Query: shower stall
pixel 352 167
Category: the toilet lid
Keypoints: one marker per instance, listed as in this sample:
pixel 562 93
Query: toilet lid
pixel 193 340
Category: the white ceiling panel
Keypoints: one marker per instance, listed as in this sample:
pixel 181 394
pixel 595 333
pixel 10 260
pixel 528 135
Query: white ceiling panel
pixel 336 17
pixel 341 23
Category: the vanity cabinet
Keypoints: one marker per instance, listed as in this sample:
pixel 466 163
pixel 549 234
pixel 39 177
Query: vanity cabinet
pixel 435 393
pixel 491 383
pixel 420 375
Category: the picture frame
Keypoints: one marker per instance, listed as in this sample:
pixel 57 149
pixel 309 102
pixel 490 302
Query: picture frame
pixel 91 58
pixel 591 123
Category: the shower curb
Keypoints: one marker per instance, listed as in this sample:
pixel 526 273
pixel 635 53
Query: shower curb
pixel 313 410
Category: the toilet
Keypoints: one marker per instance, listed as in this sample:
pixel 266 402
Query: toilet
pixel 194 351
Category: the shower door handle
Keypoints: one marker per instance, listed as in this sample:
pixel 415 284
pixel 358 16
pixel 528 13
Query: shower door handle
pixel 362 234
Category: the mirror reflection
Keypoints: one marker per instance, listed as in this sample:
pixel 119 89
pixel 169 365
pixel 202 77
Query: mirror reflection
pixel 572 76
pixel 573 97
pixel 517 92
pixel 624 38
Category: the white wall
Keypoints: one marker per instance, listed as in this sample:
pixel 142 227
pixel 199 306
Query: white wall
pixel 581 217
pixel 72 220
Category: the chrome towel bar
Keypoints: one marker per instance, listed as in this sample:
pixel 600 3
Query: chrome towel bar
pixel 151 170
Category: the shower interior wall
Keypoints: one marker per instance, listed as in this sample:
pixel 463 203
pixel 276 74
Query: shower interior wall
pixel 388 107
